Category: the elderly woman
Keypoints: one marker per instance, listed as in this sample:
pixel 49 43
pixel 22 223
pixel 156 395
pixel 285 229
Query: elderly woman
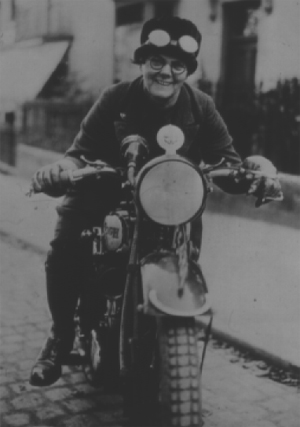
pixel 160 96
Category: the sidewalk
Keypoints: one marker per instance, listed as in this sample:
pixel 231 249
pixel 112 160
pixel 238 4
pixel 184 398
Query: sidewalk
pixel 254 284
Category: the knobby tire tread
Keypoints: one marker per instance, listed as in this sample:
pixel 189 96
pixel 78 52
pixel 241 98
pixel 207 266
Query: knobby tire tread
pixel 180 378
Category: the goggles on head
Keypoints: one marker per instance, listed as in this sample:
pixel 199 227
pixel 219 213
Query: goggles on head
pixel 160 38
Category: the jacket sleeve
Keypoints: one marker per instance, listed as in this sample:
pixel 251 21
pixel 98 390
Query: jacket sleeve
pixel 217 145
pixel 95 139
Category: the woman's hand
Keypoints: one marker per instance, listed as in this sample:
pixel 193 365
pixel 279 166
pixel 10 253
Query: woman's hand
pixel 47 178
pixel 265 185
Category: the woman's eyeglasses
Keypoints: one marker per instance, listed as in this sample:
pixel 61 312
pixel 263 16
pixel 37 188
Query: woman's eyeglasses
pixel 157 63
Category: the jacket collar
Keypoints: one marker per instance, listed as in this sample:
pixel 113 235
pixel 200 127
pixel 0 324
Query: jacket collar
pixel 136 104
pixel 184 109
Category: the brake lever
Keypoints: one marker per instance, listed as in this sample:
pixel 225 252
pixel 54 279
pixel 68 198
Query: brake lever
pixel 262 201
pixel 255 173
pixel 278 198
pixel 95 163
pixel 208 168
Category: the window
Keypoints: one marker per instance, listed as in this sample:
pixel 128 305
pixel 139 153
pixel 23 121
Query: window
pixel 241 18
pixel 251 25
pixel 239 47
pixel 164 7
pixel 129 14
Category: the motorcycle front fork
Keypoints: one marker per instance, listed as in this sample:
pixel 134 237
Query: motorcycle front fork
pixel 203 337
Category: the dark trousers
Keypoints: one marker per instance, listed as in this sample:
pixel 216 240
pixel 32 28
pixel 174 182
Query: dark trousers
pixel 80 209
pixel 64 268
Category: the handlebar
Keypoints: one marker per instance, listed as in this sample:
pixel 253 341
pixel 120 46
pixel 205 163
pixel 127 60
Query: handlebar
pixel 232 171
pixel 70 177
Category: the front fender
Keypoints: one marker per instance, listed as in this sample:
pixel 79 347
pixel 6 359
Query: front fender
pixel 160 282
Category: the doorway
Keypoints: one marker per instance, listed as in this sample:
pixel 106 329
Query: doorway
pixel 239 47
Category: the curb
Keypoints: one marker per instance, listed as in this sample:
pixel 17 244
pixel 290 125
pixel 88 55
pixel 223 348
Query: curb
pixel 7 169
pixel 245 346
pixel 21 243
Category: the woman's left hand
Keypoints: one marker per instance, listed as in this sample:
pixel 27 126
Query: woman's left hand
pixel 264 184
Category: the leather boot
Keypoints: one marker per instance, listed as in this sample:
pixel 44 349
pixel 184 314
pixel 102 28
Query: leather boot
pixel 47 368
pixel 63 276
pixel 62 297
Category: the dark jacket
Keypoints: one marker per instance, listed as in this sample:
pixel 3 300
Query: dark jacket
pixel 124 109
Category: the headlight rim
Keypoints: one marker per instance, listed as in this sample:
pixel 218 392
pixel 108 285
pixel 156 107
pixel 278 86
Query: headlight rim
pixel 171 158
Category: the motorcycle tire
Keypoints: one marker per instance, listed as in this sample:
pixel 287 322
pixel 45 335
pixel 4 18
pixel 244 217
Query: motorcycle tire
pixel 180 402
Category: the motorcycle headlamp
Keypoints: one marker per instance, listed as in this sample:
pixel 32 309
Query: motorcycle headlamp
pixel 171 191
pixel 161 38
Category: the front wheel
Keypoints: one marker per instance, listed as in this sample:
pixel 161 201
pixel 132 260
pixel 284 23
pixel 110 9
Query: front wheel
pixel 179 372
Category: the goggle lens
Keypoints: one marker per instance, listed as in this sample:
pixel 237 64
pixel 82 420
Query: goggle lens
pixel 188 44
pixel 161 38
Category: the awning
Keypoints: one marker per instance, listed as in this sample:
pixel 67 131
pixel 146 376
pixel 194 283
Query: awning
pixel 24 70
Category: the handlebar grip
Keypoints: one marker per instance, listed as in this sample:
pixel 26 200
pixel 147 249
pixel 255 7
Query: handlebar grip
pixel 231 171
pixel 66 177
pixel 69 177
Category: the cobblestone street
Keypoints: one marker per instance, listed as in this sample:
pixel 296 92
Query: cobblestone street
pixel 234 394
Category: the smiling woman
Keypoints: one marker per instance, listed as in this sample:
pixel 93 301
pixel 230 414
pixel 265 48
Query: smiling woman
pixel 167 56
pixel 163 77
pixel 175 37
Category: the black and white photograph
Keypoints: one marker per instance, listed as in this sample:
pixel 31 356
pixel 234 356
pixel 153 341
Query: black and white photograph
pixel 150 213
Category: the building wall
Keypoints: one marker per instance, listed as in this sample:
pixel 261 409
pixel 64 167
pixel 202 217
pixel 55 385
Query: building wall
pixel 278 55
pixel 278 44
pixel 91 55
pixel 7 24
pixel 91 24
pixel 199 11
pixel 96 42
pixel 126 41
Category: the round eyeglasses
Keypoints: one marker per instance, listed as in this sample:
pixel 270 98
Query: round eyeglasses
pixel 157 63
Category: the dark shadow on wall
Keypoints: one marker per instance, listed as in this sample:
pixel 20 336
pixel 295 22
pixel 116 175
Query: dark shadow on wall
pixel 265 123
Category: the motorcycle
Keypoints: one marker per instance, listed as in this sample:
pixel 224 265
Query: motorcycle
pixel 144 296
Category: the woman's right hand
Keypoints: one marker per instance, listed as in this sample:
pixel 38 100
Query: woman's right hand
pixel 47 178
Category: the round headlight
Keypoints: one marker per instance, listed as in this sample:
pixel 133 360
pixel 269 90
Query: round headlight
pixel 171 191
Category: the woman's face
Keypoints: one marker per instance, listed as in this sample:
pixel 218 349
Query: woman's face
pixel 163 76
